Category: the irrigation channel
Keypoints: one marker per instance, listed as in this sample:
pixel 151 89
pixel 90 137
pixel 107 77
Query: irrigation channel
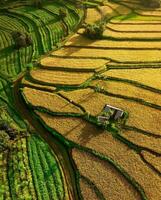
pixel 61 152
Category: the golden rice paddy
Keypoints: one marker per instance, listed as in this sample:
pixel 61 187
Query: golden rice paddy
pixel 27 83
pixel 149 77
pixel 152 159
pixel 72 63
pixel 49 101
pixel 81 41
pixel 156 13
pixel 106 178
pixel 140 116
pixel 92 16
pixel 128 90
pixel 103 142
pixel 131 35
pixel 60 77
pixel 135 27
pixel 123 55
pixel 143 140
pixel 87 191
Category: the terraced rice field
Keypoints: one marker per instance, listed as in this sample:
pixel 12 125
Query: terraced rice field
pixel 60 77
pixel 123 70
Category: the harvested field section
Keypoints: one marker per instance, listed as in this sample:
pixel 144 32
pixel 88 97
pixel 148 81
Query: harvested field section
pixel 137 35
pixel 89 136
pixel 81 41
pixel 149 77
pixel 72 63
pixel 60 77
pixel 140 116
pixel 135 27
pixel 128 90
pixel 143 140
pixel 152 159
pixel 92 16
pixel 48 100
pixel 108 181
pixel 124 55
pixel 87 191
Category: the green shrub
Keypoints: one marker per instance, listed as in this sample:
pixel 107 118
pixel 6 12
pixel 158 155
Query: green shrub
pixel 94 31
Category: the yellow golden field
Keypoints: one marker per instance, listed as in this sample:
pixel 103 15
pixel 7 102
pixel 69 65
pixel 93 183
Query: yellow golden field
pixel 152 159
pixel 110 182
pixel 128 90
pixel 119 9
pixel 149 77
pixel 156 13
pixel 86 191
pixel 60 77
pixel 131 35
pixel 124 55
pixel 103 142
pixel 49 101
pixel 135 27
pixel 72 63
pixel 92 16
pixel 81 41
pixel 27 83
pixel 140 116
pixel 143 140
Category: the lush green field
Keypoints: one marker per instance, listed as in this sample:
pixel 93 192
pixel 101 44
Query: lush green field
pixel 29 168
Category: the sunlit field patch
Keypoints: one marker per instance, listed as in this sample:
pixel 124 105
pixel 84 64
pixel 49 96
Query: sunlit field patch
pixel 124 55
pixel 72 63
pixel 150 77
pixel 128 90
pixel 140 116
pixel 88 136
pixel 60 77
pixel 48 100
pixel 106 178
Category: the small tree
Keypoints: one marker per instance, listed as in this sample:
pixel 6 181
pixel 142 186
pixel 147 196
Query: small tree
pixel 94 31
pixel 21 39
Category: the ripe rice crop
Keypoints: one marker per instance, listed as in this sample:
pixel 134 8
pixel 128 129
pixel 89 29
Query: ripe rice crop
pixel 131 35
pixel 124 55
pixel 149 77
pixel 140 116
pixel 92 16
pixel 135 27
pixel 101 174
pixel 48 100
pixel 154 160
pixel 128 90
pixel 27 83
pixel 143 140
pixel 103 142
pixel 72 63
pixel 60 77
pixel 87 191
pixel 81 41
